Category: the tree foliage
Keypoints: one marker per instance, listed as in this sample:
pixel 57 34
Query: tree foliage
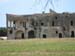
pixel 3 31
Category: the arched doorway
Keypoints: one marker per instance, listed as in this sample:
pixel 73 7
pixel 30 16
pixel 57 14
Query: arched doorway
pixel 72 33
pixel 44 35
pixel 19 35
pixel 31 34
pixel 60 35
pixel 22 35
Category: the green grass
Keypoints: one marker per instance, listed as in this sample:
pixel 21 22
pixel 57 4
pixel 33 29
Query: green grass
pixel 38 47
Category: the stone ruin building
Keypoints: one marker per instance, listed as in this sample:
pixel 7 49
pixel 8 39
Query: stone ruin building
pixel 43 25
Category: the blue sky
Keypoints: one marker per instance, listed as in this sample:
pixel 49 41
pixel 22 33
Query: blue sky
pixel 32 7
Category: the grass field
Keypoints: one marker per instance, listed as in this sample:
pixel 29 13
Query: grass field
pixel 38 47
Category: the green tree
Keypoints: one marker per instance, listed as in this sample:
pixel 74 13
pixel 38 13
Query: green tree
pixel 3 31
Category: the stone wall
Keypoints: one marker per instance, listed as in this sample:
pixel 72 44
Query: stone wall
pixel 41 25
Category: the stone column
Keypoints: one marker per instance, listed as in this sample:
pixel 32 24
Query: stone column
pixel 7 23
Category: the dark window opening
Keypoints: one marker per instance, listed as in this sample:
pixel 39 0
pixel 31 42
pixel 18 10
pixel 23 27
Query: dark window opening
pixel 10 31
pixel 42 24
pixel 60 35
pixel 44 36
pixel 72 34
pixel 14 22
pixel 56 17
pixel 71 23
pixel 24 25
pixel 56 32
pixel 52 23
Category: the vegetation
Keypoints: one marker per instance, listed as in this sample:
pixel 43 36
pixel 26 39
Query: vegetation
pixel 38 47
pixel 3 31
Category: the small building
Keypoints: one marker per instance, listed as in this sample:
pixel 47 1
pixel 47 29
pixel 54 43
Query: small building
pixel 45 25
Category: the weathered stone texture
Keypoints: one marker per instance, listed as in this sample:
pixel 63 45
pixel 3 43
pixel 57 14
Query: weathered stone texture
pixel 41 25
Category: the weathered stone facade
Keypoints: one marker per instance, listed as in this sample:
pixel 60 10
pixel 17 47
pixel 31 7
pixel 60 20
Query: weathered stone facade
pixel 44 25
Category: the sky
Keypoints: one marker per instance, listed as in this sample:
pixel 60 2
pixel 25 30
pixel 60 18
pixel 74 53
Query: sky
pixel 23 7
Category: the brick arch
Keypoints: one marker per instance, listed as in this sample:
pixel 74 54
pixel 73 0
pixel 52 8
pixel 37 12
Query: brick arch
pixel 19 34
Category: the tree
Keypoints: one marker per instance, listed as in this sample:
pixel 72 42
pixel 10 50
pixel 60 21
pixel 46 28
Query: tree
pixel 3 31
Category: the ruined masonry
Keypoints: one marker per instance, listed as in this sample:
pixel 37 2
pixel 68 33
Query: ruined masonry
pixel 44 25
